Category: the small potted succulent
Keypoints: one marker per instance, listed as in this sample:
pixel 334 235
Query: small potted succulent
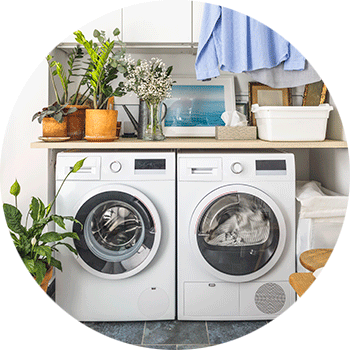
pixel 35 246
pixel 54 118
pixel 101 121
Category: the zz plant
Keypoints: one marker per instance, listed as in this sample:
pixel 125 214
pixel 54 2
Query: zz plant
pixel 59 109
pixel 66 78
pixel 35 246
pixel 104 66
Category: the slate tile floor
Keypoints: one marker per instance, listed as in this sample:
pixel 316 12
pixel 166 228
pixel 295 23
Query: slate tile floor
pixel 175 335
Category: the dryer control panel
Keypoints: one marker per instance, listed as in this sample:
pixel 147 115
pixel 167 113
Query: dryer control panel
pixel 236 167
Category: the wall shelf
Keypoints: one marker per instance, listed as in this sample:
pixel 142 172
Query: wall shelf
pixel 188 143
pixel 145 48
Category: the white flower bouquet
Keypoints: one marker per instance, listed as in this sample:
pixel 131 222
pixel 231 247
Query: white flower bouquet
pixel 151 81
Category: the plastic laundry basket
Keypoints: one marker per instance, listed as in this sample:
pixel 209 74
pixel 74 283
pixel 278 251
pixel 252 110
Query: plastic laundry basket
pixel 292 123
pixel 321 216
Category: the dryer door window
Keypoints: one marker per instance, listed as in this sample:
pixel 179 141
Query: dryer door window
pixel 238 233
pixel 118 235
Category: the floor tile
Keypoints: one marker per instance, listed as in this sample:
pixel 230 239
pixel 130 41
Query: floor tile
pixel 127 332
pixel 175 332
pixel 222 331
pixel 165 347
pixel 192 346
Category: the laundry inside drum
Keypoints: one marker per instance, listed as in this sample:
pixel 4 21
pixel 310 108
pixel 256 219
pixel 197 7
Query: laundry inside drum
pixel 236 219
pixel 116 226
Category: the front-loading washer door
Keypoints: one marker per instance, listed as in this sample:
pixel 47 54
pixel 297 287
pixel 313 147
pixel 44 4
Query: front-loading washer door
pixel 120 233
pixel 237 232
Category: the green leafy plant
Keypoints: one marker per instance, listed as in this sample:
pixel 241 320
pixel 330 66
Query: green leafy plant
pixel 35 246
pixel 104 66
pixel 65 78
pixel 55 111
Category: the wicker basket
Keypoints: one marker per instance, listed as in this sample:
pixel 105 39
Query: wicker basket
pixel 235 132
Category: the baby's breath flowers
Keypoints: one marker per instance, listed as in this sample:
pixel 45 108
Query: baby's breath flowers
pixel 150 80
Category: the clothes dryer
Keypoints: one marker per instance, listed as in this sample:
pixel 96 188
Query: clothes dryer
pixel 236 235
pixel 125 269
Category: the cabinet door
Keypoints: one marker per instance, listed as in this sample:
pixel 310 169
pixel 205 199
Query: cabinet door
pixel 197 19
pixel 107 23
pixel 156 22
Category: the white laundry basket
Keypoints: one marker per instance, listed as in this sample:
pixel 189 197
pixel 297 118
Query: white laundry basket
pixel 292 123
pixel 321 215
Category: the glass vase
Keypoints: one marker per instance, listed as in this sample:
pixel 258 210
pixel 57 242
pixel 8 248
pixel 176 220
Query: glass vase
pixel 154 129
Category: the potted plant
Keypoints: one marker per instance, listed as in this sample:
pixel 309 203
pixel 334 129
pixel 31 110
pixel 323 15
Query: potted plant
pixel 151 81
pixel 35 246
pixel 54 120
pixel 101 121
pixel 76 119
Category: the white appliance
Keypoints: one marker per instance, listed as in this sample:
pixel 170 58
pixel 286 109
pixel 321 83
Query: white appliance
pixel 236 235
pixel 125 269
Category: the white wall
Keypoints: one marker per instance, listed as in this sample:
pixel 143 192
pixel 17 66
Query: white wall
pixel 18 160
pixel 331 168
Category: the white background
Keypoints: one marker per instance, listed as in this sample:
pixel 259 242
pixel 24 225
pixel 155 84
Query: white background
pixel 30 29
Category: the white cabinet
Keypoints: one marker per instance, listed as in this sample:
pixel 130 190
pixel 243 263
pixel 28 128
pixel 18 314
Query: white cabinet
pixel 197 19
pixel 158 22
pixel 107 23
pixel 151 22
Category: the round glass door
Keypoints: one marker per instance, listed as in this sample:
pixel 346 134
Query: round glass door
pixel 238 232
pixel 120 234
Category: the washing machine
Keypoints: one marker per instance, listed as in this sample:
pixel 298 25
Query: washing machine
pixel 125 268
pixel 236 235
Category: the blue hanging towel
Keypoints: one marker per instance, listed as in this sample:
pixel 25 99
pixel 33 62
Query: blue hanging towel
pixel 234 42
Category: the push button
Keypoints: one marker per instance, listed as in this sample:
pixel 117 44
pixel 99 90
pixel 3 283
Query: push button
pixel 236 168
pixel 115 166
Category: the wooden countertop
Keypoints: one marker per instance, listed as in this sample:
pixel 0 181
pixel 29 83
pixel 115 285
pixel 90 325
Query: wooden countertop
pixel 187 143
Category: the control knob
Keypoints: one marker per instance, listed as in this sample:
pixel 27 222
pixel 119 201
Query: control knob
pixel 236 168
pixel 115 166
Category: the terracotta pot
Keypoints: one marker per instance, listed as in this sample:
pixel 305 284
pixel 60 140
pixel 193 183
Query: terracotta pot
pixel 52 128
pixel 45 283
pixel 76 122
pixel 119 126
pixel 101 125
